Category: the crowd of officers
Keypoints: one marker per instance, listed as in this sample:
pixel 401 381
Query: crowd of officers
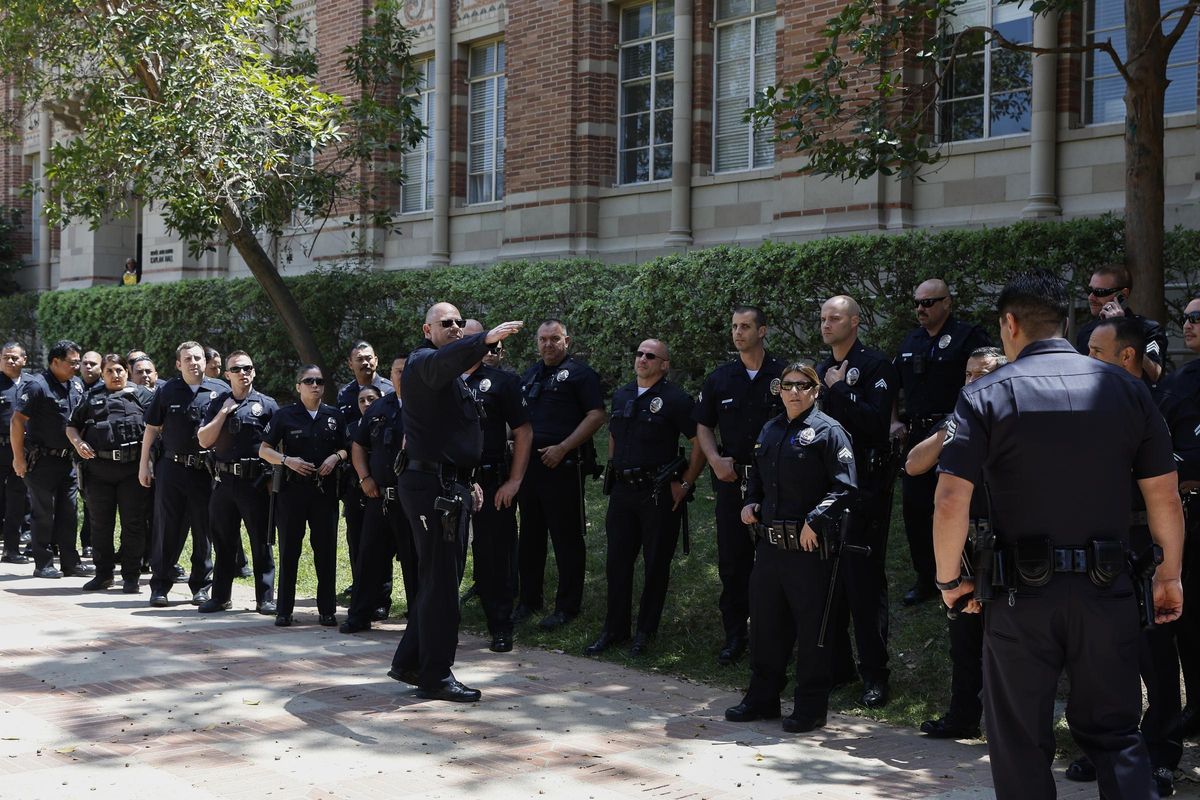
pixel 802 456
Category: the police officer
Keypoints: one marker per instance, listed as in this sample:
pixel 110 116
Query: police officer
pixel 961 721
pixel 737 400
pixel 494 525
pixel 930 365
pixel 565 409
pixel 12 488
pixel 803 478
pixel 180 476
pixel 212 366
pixel 106 430
pixel 232 429
pixel 648 494
pixel 1060 507
pixel 90 376
pixel 859 392
pixel 1109 290
pixel 143 371
pixel 309 439
pixel 354 501
pixel 444 444
pixel 42 456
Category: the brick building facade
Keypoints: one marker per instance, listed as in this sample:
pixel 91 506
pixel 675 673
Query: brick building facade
pixel 614 130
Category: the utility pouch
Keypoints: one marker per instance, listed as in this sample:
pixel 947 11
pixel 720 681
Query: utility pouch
pixel 791 536
pixel 1034 557
pixel 1106 561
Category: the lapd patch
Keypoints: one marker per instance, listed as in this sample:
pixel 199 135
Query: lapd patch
pixel 656 405
pixel 775 384
pixel 944 342
pixel 562 375
pixel 332 423
pixel 256 409
pixel 951 429
pixel 807 436
pixel 881 384
pixel 852 376
pixel 485 384
pixel 845 455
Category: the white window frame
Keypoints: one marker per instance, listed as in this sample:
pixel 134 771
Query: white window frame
pixel 653 78
pixel 425 95
pixel 755 18
pixel 493 174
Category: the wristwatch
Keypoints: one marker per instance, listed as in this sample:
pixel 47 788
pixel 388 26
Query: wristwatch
pixel 684 485
pixel 948 586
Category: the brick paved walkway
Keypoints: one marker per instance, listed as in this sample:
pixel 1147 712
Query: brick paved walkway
pixel 101 695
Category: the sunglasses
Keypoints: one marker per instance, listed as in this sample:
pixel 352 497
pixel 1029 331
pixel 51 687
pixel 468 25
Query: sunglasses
pixel 313 381
pixel 646 355
pixel 792 386
pixel 1192 317
pixel 1097 292
pixel 242 368
pixel 458 323
pixel 928 302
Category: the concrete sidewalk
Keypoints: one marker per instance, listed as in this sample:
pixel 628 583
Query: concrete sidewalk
pixel 101 695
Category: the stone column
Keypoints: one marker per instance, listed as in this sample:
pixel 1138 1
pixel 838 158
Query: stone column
pixel 443 93
pixel 43 254
pixel 680 234
pixel 1043 144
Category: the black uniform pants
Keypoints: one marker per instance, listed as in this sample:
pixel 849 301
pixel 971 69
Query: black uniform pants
pixel 735 558
pixel 917 505
pixel 354 508
pixel 493 534
pixel 1187 627
pixel 787 601
pixel 51 485
pixel 14 495
pixel 431 637
pixel 110 487
pixel 313 504
pixel 385 536
pixel 1159 664
pixel 864 582
pixel 1094 635
pixel 181 497
pixel 638 521
pixel 552 500
pixel 966 673
pixel 234 501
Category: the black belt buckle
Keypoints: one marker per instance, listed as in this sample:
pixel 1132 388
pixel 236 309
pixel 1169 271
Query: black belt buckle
pixel 772 536
pixel 389 493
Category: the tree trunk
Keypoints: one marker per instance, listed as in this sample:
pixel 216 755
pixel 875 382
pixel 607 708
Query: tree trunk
pixel 268 277
pixel 1145 194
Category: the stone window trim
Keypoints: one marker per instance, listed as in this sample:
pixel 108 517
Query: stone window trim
pixel 645 94
pixel 759 18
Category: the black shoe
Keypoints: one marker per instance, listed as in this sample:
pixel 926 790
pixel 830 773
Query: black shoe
pixel 469 595
pixel 1164 781
pixel 555 620
pixel 408 676
pixel 80 571
pixel 266 608
pixel 26 537
pixel 15 558
pixel 803 723
pixel 245 571
pixel 159 600
pixel 380 614
pixel 946 728
pixel 1186 723
pixel 328 620
pixel 352 625
pixel 97 584
pixel 641 643
pixel 213 605
pixel 452 691
pixel 734 647
pixel 604 641
pixel 501 643
pixel 521 613
pixel 131 587
pixel 919 593
pixel 200 597
pixel 87 552
pixel 745 712
pixel 47 571
pixel 283 620
pixel 876 695
pixel 1081 770
pixel 177 573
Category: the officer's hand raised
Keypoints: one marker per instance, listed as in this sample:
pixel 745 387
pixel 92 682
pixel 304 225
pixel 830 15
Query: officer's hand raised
pixel 503 331
pixel 750 513
pixel 836 374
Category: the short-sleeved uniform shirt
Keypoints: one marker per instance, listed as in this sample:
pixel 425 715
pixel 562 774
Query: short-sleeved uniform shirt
pixel 179 410
pixel 499 393
pixel 381 432
pixel 107 420
pixel 862 400
pixel 10 391
pixel 646 428
pixel 559 397
pixel 738 405
pixel 347 397
pixel 1156 338
pixel 49 405
pixel 298 433
pixel 242 431
pixel 932 369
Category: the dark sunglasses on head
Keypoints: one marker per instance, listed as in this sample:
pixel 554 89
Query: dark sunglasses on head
pixel 242 368
pixel 791 386
pixel 647 356
pixel 460 323
pixel 1192 317
pixel 1095 291
pixel 928 301
pixel 310 381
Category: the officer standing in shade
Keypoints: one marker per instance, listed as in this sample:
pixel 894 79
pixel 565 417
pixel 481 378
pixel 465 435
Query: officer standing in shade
pixel 12 488
pixel 1061 504
pixel 233 428
pixel 106 430
pixel 859 392
pixel 803 479
pixel 1109 290
pixel 737 399
pixel 566 409
pixel 444 444
pixel 181 478
pixel 309 439
pixel 89 375
pixel 648 497
pixel 931 364
pixel 494 525
pixel 354 505
pixel 42 456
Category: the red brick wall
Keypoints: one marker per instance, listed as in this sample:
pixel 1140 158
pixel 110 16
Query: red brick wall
pixel 702 84
pixel 13 171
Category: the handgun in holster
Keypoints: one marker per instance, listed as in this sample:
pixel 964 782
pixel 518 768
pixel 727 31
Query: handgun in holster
pixel 1142 568
pixel 451 508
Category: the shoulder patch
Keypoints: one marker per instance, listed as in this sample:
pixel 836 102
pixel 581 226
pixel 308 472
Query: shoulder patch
pixel 881 384
pixel 951 430
pixel 845 455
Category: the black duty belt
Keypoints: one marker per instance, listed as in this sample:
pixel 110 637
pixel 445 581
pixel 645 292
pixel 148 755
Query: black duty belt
pixel 56 452
pixel 1071 559
pixel 447 472
pixel 783 534
pixel 635 476
pixel 123 454
pixel 190 460
pixel 248 468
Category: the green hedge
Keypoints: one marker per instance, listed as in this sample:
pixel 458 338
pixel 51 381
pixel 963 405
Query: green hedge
pixel 683 299
pixel 18 323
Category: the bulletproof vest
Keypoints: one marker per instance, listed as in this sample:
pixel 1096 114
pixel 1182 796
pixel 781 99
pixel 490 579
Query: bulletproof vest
pixel 113 419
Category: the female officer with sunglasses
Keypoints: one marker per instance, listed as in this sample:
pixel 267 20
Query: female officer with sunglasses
pixel 309 439
pixel 803 476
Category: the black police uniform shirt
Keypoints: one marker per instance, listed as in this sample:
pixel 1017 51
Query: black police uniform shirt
pixel 381 432
pixel 108 420
pixel 49 405
pixel 179 410
pixel 441 415
pixel 1185 381
pixel 499 393
pixel 559 397
pixel 1156 337
pixel 297 433
pixel 646 428
pixel 862 400
pixel 347 396
pixel 1182 414
pixel 1056 435
pixel 10 392
pixel 242 431
pixel 804 469
pixel 932 369
pixel 738 406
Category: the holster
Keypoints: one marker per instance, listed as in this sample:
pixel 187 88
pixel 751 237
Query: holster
pixel 1142 567
pixel 451 508
pixel 1106 561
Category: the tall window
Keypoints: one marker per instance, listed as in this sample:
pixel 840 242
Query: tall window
pixel 987 90
pixel 745 65
pixel 647 91
pixel 485 128
pixel 1103 87
pixel 417 192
